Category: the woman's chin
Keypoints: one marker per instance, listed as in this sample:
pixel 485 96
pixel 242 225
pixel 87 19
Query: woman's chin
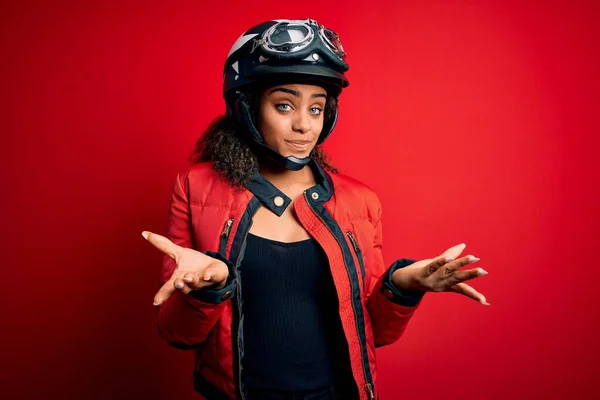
pixel 298 151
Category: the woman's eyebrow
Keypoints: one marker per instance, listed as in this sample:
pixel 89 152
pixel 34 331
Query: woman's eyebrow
pixel 295 92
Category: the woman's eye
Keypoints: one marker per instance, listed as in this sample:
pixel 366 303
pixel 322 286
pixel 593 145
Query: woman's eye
pixel 283 107
pixel 316 111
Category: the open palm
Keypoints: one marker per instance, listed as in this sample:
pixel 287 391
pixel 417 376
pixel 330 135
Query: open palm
pixel 441 274
pixel 194 270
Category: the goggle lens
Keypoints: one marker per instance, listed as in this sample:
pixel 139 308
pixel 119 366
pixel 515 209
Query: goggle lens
pixel 289 34
pixel 294 36
pixel 332 39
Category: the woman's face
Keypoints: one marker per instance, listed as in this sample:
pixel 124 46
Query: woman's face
pixel 291 118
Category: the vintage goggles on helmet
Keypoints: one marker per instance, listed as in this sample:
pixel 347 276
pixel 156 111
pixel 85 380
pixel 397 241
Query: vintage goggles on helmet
pixel 299 39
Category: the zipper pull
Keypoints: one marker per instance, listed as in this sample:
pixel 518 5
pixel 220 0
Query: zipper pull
pixel 370 393
pixel 353 240
pixel 227 228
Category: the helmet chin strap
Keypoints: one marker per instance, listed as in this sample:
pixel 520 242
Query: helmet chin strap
pixel 291 163
pixel 241 112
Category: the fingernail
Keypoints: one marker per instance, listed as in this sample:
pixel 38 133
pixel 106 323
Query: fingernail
pixel 473 259
pixel 145 235
pixel 448 259
pixel 207 278
pixel 179 285
pixel 155 304
pixel 188 279
pixel 482 272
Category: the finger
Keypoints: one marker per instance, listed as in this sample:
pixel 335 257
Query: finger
pixel 182 286
pixel 199 280
pixel 164 293
pixel 461 276
pixel 436 264
pixel 454 251
pixel 162 243
pixel 458 264
pixel 466 290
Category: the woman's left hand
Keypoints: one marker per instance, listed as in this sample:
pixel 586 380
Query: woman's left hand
pixel 441 274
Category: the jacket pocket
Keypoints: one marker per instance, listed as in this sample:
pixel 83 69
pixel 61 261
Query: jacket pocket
pixel 359 257
pixel 225 236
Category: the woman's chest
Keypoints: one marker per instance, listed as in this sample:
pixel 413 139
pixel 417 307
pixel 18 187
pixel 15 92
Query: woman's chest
pixel 282 228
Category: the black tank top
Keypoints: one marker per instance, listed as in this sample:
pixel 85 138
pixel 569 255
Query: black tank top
pixel 292 332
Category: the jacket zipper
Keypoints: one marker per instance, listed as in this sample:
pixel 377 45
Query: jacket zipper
pixel 222 250
pixel 358 256
pixel 239 300
pixel 225 236
pixel 370 393
pixel 368 384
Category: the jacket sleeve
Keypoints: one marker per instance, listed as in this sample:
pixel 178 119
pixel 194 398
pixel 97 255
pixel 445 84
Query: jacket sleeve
pixel 390 308
pixel 185 321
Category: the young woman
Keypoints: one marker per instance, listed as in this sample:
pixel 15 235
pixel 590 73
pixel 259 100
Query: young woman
pixel 274 271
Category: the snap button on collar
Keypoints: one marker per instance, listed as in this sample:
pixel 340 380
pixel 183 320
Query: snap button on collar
pixel 315 195
pixel 388 293
pixel 278 201
pixel 226 295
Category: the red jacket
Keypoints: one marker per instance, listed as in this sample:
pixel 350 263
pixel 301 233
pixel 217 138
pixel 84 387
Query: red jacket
pixel 340 213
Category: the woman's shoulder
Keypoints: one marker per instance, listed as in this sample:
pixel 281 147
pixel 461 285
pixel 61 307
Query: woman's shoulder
pixel 355 193
pixel 200 172
pixel 346 184
pixel 203 184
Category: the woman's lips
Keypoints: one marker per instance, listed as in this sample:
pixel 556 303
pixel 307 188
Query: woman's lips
pixel 299 144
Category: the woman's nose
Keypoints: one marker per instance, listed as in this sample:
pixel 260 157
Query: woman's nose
pixel 301 123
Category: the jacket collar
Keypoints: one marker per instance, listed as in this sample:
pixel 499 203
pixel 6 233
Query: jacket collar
pixel 276 201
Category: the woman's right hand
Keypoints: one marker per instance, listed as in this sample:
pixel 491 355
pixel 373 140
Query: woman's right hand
pixel 194 270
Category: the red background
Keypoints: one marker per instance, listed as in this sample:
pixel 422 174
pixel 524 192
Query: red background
pixel 475 121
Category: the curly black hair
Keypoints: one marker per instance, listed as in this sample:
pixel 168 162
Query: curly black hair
pixel 225 143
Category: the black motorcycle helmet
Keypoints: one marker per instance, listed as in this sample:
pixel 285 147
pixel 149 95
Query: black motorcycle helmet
pixel 277 52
